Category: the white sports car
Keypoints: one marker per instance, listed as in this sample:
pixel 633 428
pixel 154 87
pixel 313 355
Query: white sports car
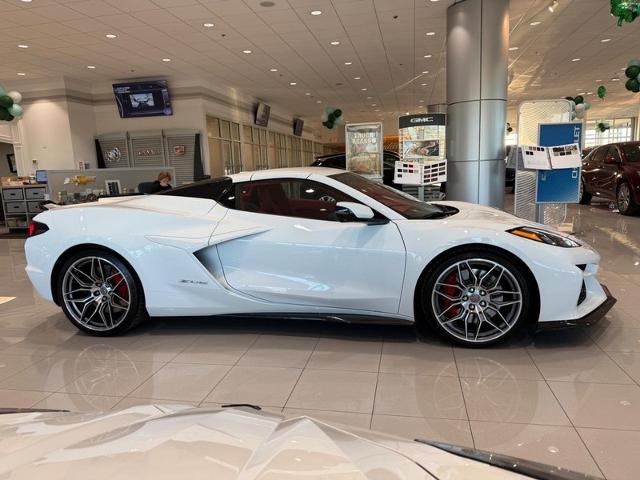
pixel 311 243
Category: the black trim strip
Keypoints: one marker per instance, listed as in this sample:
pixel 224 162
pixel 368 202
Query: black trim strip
pixel 589 319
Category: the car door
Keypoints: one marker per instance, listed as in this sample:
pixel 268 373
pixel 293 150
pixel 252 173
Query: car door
pixel 304 255
pixel 592 165
pixel 609 173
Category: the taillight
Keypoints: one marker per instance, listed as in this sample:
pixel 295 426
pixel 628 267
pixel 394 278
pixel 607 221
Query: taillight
pixel 36 228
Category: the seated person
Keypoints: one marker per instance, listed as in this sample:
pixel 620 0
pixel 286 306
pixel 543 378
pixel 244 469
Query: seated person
pixel 162 183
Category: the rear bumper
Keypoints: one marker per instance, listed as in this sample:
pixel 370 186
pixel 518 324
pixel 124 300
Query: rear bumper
pixel 591 318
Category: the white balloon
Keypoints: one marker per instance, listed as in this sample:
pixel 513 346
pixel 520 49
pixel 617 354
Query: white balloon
pixel 580 108
pixel 15 96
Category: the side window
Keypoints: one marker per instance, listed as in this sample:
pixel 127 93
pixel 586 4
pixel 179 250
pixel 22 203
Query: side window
pixel 288 198
pixel 598 155
pixel 613 151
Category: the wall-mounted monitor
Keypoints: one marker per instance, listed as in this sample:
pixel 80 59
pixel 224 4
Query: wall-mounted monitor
pixel 143 99
pixel 298 125
pixel 262 114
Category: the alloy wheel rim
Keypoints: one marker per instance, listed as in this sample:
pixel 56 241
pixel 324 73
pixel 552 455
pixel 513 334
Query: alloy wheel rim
pixel 477 300
pixel 624 197
pixel 96 293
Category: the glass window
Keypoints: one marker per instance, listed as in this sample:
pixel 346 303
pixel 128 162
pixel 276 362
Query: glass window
pixel 631 152
pixel 399 202
pixel 598 155
pixel 613 152
pixel 288 198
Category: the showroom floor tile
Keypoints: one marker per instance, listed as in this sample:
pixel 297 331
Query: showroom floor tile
pixel 570 398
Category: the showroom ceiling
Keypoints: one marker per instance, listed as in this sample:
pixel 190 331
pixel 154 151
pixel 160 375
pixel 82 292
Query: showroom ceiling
pixel 389 59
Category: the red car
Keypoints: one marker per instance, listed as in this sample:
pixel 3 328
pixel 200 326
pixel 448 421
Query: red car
pixel 612 172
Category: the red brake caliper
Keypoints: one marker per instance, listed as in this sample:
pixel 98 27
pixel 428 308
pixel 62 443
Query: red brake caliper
pixel 121 289
pixel 452 279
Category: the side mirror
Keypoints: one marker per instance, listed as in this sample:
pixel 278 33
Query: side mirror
pixel 356 212
pixel 611 159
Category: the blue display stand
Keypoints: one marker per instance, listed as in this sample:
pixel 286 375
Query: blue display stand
pixel 561 185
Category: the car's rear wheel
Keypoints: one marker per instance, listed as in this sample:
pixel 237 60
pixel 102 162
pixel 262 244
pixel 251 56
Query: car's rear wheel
pixel 100 294
pixel 585 197
pixel 625 200
pixel 475 298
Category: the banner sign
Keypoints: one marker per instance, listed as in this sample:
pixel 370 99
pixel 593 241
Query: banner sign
pixel 421 119
pixel 363 143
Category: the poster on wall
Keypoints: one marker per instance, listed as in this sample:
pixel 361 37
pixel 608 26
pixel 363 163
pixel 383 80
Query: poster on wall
pixel 363 142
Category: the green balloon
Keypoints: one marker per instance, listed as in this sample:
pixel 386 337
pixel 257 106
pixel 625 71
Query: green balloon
pixel 633 85
pixel 634 62
pixel 587 105
pixel 602 91
pixel 632 71
pixel 579 99
pixel 332 117
pixel 337 112
pixel 6 101
pixel 4 114
pixel 15 110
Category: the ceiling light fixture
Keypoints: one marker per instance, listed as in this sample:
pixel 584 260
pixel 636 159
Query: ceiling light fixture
pixel 552 6
pixel 348 63
pixel 356 78
pixel 166 59
pixel 207 25
pixel 23 46
pixel 318 101
pixel 513 49
pixel 335 43
pixel 273 69
pixel 598 81
pixel 246 51
pixel 421 101
pixel 377 110
pixel 423 84
pixel 430 34
pixel 26 1
pixel 615 79
pixel 292 83
pixel 21 74
pixel 111 35
pixel 316 12
pixel 428 55
pixel 307 93
pixel 575 59
pixel 374 104
pixel 363 89
pixel 605 40
pixel 369 98
pixel 533 24
pixel 425 71
pixel 91 67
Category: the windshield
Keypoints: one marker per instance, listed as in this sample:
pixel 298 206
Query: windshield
pixel 631 152
pixel 400 202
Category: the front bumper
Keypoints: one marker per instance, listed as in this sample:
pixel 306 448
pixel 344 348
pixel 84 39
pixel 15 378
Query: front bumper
pixel 591 318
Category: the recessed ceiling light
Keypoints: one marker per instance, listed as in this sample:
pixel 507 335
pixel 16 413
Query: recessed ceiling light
pixel 513 49
pixel 425 71
pixel 318 101
pixel 316 12
pixel 23 46
pixel 430 34
pixel 552 6
pixel 615 79
pixel 533 24
pixel 374 104
pixel 589 93
pixel 246 51
pixel 575 59
pixel 91 67
pixel 273 69
pixel 26 1
pixel 363 89
pixel 166 59
pixel 369 98
pixel 605 40
pixel 111 35
pixel 335 43
pixel 434 1
pixel 598 81
pixel 578 89
pixel 307 93
pixel 623 68
pixel 348 63
pixel 377 110
pixel 22 74
pixel 356 78
pixel 292 83
pixel 207 25
pixel 428 55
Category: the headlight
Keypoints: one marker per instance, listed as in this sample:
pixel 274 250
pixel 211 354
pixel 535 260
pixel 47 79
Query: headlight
pixel 544 236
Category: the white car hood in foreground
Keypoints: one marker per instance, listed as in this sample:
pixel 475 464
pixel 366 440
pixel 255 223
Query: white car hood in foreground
pixel 173 442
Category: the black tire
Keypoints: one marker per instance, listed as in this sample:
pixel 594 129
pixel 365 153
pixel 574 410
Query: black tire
pixel 585 197
pixel 428 300
pixel 629 207
pixel 77 271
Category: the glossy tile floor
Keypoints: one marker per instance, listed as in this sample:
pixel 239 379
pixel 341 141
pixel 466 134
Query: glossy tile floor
pixel 570 398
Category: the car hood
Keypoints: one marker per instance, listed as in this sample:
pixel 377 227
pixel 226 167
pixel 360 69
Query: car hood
pixel 169 442
pixel 471 212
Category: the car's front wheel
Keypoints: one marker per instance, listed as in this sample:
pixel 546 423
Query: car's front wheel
pixel 625 200
pixel 100 294
pixel 475 298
